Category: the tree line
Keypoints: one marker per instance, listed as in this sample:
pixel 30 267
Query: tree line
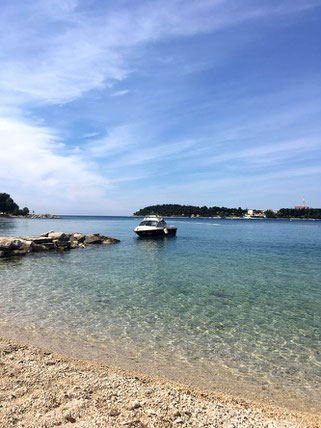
pixel 8 206
pixel 176 210
pixel 313 213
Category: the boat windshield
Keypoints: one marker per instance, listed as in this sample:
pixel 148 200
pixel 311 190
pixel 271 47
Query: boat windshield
pixel 148 223
pixel 162 224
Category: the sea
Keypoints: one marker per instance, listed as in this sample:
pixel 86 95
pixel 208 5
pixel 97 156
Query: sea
pixel 229 305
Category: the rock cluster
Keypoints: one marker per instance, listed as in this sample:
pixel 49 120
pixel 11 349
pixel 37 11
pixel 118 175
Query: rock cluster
pixel 42 216
pixel 50 216
pixel 50 241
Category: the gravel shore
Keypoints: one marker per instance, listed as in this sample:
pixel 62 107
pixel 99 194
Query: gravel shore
pixel 39 388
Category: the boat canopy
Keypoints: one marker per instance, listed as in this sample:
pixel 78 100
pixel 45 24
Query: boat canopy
pixel 148 223
pixel 157 222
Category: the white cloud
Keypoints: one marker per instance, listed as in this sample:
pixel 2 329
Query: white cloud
pixel 47 176
pixel 120 93
pixel 133 145
pixel 118 140
pixel 43 179
pixel 91 135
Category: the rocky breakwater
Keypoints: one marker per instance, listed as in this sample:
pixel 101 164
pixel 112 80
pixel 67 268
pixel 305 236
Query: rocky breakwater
pixel 50 241
pixel 41 216
pixel 50 216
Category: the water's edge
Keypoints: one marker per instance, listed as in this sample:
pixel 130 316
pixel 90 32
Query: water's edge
pixel 221 380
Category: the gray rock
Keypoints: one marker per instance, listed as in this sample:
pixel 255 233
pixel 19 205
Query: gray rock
pixel 16 243
pixel 135 405
pixel 114 412
pixel 39 247
pixel 46 233
pixel 6 243
pixel 20 252
pixel 93 239
pixel 50 246
pixel 48 241
pixel 42 216
pixel 38 239
pixel 62 245
pixel 60 236
pixel 27 245
pixel 107 240
pixel 80 237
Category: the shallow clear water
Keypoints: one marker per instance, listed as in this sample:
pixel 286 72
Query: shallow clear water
pixel 228 303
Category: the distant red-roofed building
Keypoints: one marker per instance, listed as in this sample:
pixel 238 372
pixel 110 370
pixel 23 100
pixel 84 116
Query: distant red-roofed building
pixel 300 207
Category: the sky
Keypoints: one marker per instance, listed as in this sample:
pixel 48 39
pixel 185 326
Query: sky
pixel 107 107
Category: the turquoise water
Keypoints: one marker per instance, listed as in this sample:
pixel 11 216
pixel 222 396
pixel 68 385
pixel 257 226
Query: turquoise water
pixel 233 304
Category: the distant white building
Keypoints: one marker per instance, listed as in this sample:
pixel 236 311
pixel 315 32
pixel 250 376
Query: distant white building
pixel 254 214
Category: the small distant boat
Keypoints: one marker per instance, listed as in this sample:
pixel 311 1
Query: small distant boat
pixel 154 225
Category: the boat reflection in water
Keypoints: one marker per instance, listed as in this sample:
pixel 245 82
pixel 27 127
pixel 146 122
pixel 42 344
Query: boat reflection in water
pixel 154 225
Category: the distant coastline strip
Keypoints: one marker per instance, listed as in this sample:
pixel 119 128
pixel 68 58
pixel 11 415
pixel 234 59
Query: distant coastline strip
pixel 176 210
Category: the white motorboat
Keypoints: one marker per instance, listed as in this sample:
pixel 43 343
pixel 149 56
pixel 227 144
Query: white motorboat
pixel 154 225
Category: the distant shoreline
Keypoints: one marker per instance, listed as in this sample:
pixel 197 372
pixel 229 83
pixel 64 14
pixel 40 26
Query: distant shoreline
pixel 192 211
pixel 231 218
pixel 50 216
pixel 54 216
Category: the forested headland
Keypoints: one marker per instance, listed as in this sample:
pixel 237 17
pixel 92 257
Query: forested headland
pixel 8 206
pixel 168 210
pixel 176 210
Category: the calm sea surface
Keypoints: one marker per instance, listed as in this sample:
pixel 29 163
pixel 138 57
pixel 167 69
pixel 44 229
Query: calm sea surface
pixel 227 304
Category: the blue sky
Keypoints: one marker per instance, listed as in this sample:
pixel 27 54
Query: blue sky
pixel 106 107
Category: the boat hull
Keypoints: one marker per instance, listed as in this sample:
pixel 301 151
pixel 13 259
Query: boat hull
pixel 160 232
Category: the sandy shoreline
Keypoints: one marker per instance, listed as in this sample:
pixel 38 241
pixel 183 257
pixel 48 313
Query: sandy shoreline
pixel 40 388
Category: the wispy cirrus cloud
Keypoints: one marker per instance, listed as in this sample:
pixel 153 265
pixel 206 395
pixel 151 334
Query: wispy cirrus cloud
pixel 62 50
pixel 235 190
pixel 118 140
pixel 145 154
pixel 270 152
pixel 120 93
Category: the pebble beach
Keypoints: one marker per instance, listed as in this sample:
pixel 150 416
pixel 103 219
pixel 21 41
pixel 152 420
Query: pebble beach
pixel 39 388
